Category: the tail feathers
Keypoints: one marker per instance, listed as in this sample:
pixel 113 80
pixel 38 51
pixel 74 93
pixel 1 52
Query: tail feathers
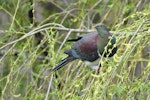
pixel 64 62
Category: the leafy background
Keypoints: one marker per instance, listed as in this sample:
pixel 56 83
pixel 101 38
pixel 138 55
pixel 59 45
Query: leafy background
pixel 33 36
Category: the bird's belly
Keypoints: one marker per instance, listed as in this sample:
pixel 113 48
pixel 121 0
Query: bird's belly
pixel 93 65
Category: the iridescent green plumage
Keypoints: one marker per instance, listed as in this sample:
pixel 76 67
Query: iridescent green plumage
pixel 105 40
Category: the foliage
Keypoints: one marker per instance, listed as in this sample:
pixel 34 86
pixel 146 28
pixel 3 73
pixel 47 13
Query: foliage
pixel 30 48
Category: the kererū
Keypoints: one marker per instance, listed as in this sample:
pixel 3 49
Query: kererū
pixel 90 47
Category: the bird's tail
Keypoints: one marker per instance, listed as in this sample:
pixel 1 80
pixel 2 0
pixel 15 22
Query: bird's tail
pixel 64 62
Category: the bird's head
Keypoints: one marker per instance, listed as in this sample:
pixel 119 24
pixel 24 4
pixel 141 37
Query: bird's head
pixel 105 37
pixel 102 30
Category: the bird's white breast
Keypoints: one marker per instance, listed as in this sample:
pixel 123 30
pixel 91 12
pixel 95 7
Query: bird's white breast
pixel 93 65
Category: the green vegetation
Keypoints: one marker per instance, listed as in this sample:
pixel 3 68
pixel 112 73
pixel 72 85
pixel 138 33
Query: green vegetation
pixel 30 48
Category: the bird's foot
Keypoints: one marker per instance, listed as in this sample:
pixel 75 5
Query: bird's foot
pixel 97 71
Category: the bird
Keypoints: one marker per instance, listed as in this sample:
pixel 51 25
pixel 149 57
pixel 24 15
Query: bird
pixel 91 47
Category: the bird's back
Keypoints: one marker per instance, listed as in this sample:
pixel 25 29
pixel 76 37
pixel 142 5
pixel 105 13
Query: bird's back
pixel 86 47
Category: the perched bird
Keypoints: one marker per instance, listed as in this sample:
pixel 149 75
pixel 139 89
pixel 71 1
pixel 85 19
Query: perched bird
pixel 90 47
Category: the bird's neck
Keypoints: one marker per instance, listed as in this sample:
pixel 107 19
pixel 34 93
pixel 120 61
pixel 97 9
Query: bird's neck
pixel 107 43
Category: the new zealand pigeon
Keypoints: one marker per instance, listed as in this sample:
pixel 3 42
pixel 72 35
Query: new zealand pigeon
pixel 90 47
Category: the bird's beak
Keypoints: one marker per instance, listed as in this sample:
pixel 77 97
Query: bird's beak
pixel 94 26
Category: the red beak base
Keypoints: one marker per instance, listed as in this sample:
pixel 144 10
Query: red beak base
pixel 94 26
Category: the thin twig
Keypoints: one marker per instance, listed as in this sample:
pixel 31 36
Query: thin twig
pixel 49 86
pixel 63 42
pixel 7 52
pixel 96 4
pixel 83 98
pixel 14 17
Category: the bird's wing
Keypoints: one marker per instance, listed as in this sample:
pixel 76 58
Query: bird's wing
pixel 85 48
pixel 74 40
pixel 77 39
